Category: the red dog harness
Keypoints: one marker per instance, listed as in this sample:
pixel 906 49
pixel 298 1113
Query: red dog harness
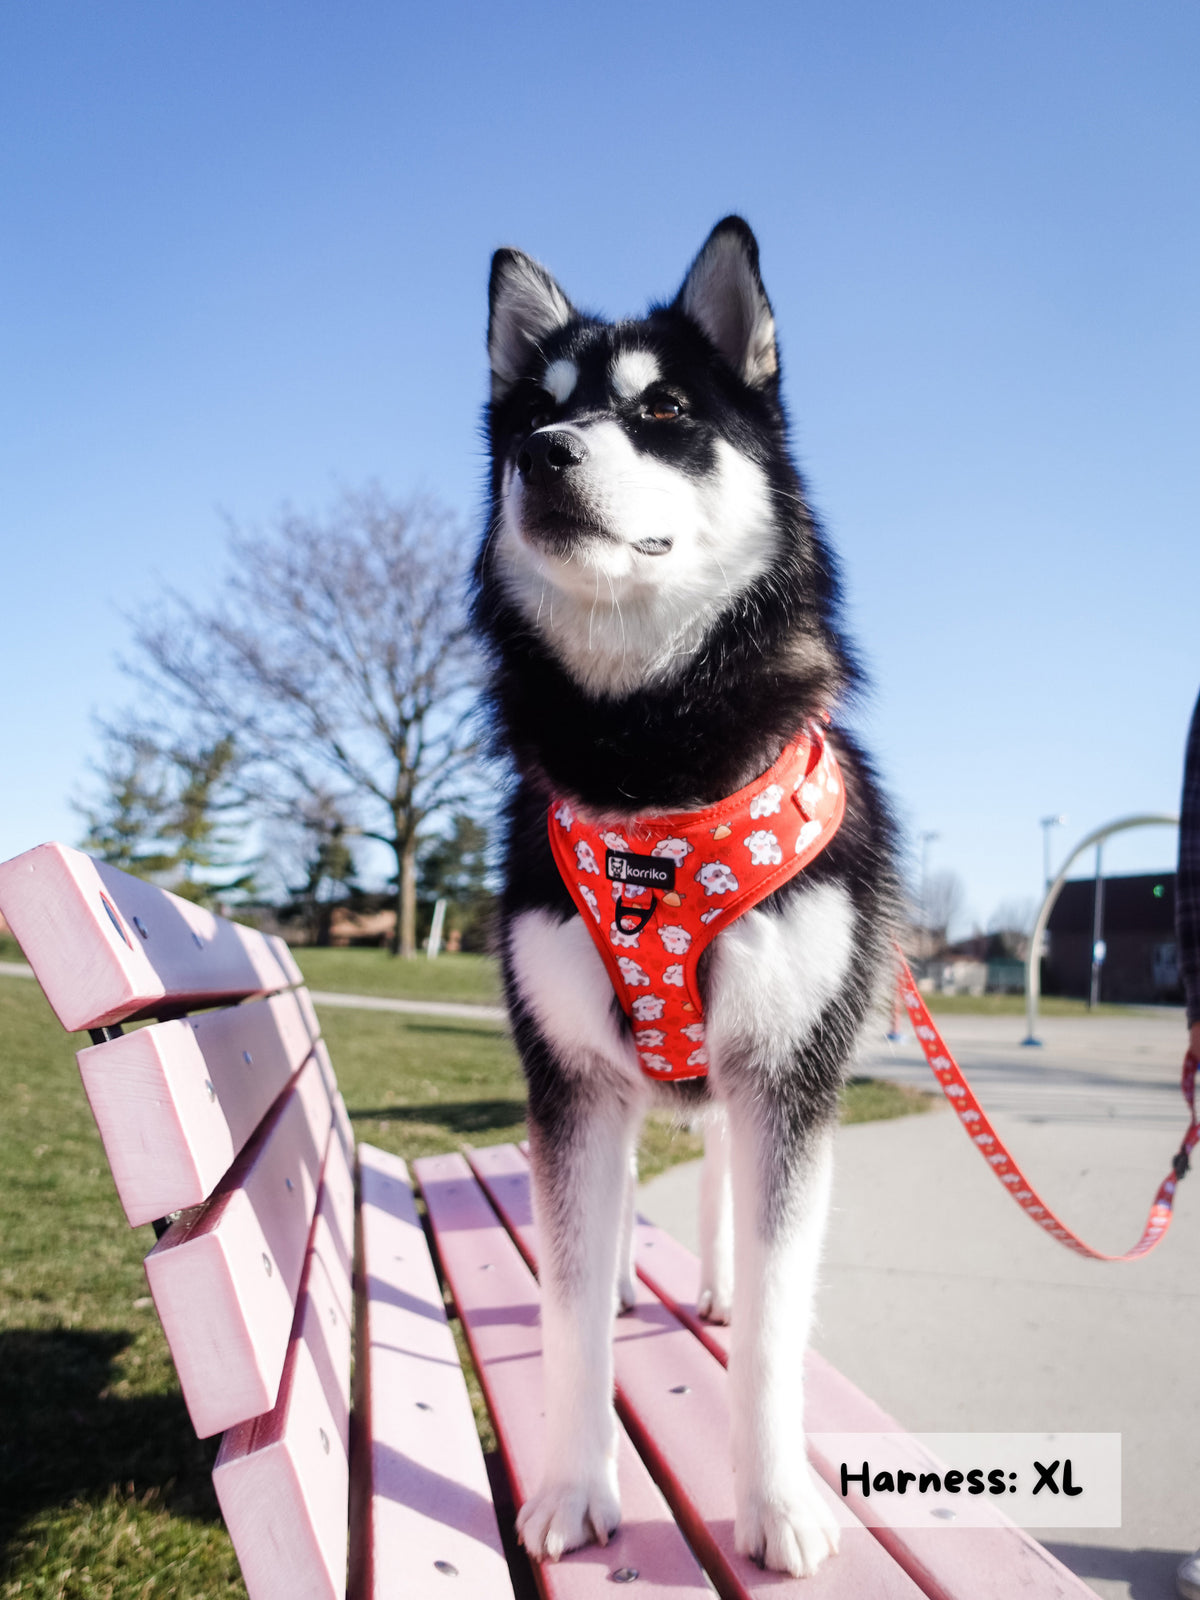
pixel 678 879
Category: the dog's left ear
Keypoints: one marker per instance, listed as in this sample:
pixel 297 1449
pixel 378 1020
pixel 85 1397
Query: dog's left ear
pixel 724 294
pixel 525 306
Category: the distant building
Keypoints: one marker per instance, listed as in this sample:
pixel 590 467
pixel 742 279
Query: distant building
pixel 1138 930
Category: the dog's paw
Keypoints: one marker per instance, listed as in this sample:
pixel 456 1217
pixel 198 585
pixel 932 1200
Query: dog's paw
pixel 714 1306
pixel 563 1516
pixel 626 1294
pixel 792 1533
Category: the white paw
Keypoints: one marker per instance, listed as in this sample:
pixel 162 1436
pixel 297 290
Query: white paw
pixel 563 1516
pixel 787 1533
pixel 714 1306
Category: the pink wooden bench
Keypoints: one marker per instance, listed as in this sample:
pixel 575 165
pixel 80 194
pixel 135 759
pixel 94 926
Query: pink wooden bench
pixel 223 1126
pixel 229 1122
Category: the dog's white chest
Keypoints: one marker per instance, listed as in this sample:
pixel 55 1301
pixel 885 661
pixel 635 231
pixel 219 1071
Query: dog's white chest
pixel 771 977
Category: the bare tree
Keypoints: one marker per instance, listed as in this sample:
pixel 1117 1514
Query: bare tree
pixel 336 655
pixel 944 897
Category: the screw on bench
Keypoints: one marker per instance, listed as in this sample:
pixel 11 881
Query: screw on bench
pixel 447 1568
pixel 623 1575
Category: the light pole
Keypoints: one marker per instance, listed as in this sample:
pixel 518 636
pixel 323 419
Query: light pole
pixel 1033 970
pixel 1047 824
pixel 1098 947
pixel 926 840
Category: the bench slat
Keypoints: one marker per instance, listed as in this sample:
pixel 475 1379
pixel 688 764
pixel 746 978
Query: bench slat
pixel 283 1479
pixel 497 1299
pixel 986 1563
pixel 225 1278
pixel 672 1397
pixel 77 921
pixel 421 1486
pixel 175 1102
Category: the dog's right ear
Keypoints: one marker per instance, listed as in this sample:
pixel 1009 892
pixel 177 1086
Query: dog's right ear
pixel 723 294
pixel 525 307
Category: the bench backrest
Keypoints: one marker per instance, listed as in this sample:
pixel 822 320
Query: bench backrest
pixel 225 1128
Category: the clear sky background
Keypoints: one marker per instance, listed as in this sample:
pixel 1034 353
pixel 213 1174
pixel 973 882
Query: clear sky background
pixel 243 259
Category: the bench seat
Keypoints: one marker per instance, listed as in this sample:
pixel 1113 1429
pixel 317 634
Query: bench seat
pixel 307 1319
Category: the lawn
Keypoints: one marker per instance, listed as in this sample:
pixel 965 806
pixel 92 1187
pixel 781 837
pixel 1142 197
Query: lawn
pixel 104 1490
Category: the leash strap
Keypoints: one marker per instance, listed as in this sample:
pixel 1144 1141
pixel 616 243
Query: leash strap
pixel 992 1148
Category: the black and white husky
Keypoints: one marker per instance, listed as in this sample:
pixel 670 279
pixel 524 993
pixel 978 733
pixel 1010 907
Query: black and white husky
pixel 660 612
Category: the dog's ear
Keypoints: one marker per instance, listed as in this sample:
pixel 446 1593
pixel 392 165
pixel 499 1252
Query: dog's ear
pixel 525 306
pixel 724 294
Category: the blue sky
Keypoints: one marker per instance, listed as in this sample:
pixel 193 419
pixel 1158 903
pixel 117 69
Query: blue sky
pixel 244 257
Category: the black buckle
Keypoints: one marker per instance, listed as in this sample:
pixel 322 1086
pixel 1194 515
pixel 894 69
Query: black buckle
pixel 632 919
pixel 1181 1162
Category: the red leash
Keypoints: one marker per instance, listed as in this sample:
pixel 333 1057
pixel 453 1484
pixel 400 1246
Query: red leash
pixel 958 1091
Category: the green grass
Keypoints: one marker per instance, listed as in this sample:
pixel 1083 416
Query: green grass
pixel 474 979
pixel 1013 1005
pixel 104 1490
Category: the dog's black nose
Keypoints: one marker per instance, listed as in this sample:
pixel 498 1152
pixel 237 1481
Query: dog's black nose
pixel 547 455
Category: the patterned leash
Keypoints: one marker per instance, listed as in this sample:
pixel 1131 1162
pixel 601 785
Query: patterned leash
pixel 973 1118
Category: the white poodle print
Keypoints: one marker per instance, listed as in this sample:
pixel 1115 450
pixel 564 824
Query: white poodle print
pixel 647 1007
pixel 766 804
pixel 585 858
pixel 589 896
pixel 649 1038
pixel 698 1058
pixel 676 850
pixel 654 1063
pixel 675 939
pixel 715 877
pixel 674 975
pixel 764 848
pixel 809 832
pixel 631 972
pixel 707 916
pixel 614 841
pixel 623 941
pixel 694 1031
pixel 563 814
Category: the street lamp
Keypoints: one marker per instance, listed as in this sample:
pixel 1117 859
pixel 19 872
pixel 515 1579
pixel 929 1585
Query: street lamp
pixel 926 840
pixel 1047 824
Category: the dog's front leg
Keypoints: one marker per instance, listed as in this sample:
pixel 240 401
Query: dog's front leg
pixel 581 1166
pixel 716 1223
pixel 780 1201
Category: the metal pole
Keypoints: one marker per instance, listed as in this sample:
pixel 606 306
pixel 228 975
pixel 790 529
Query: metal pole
pixel 1097 930
pixel 1047 824
pixel 1033 967
pixel 926 840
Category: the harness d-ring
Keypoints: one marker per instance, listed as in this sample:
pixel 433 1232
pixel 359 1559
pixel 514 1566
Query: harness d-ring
pixel 632 919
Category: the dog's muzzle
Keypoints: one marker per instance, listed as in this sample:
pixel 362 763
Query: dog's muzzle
pixel 547 457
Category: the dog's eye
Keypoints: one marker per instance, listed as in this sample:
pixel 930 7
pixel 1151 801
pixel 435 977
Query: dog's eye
pixel 663 408
pixel 539 419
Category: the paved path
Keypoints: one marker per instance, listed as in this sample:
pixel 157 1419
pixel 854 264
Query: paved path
pixel 944 1302
pixel 360 1002
pixel 429 1008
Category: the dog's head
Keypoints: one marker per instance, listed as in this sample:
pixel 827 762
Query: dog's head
pixel 637 466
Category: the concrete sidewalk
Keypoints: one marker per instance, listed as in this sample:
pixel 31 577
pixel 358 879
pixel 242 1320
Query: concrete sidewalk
pixel 356 1002
pixel 946 1304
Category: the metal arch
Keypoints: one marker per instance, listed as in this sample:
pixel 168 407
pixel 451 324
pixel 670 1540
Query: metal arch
pixel 1033 961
